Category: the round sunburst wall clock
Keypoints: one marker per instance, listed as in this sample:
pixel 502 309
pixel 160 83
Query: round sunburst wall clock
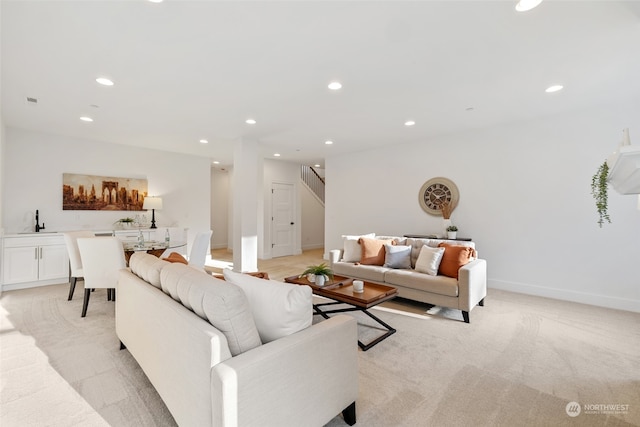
pixel 436 193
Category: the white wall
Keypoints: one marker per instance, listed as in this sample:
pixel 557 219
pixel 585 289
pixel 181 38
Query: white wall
pixel 220 208
pixel 312 224
pixel 524 199
pixel 35 163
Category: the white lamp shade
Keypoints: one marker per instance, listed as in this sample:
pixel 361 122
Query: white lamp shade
pixel 152 203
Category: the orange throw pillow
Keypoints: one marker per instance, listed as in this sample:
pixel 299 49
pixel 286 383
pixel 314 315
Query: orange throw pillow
pixel 176 257
pixel 454 257
pixel 373 252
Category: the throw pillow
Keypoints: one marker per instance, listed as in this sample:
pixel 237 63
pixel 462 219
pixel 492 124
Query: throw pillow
pixel 429 260
pixel 455 256
pixel 352 250
pixel 222 304
pixel 397 256
pixel 373 250
pixel 279 309
pixel 176 257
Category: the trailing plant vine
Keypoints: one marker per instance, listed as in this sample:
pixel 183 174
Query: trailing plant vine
pixel 599 190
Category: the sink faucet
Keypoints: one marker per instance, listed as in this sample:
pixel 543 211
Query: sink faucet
pixel 38 227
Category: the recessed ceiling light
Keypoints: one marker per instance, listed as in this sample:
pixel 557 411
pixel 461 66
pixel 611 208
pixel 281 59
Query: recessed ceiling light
pixel 525 5
pixel 316 166
pixel 335 86
pixel 554 88
pixel 276 155
pixel 86 119
pixel 156 1
pixel 215 162
pixel 409 123
pixel 204 141
pixel 328 142
pixel 250 122
pixel 104 81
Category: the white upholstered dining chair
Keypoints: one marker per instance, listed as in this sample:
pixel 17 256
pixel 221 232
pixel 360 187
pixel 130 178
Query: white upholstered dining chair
pixel 75 263
pixel 102 259
pixel 198 253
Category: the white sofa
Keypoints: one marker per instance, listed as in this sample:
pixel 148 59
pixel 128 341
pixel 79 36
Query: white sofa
pixel 226 375
pixel 462 293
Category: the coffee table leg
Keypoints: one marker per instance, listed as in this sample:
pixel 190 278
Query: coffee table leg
pixel 363 346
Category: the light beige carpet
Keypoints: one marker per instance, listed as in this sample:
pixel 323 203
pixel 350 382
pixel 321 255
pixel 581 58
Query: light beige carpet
pixel 520 362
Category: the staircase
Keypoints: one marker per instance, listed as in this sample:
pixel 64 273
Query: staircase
pixel 314 181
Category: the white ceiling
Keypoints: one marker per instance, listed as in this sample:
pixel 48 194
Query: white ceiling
pixel 187 70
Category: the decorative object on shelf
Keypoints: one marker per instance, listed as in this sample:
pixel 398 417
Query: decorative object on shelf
pixel 439 196
pixel 152 203
pixel 321 272
pixel 125 222
pixel 94 193
pixel 452 231
pixel 599 191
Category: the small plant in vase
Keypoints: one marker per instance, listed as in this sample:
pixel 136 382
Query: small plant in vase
pixel 318 274
pixel 452 231
pixel 125 222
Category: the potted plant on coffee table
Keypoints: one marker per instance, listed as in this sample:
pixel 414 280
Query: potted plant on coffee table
pixel 318 274
pixel 452 231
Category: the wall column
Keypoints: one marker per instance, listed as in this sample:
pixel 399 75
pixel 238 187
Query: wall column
pixel 245 206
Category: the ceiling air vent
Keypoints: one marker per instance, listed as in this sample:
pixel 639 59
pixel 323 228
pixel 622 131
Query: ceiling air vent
pixel 32 100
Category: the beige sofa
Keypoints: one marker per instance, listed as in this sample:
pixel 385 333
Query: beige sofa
pixel 228 375
pixel 463 293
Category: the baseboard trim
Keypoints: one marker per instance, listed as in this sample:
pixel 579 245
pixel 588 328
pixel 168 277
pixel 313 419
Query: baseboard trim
pixel 314 246
pixel 567 295
pixel 25 285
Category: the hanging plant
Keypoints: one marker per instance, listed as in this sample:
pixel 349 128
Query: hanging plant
pixel 599 189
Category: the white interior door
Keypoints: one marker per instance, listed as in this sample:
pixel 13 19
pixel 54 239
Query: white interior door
pixel 282 220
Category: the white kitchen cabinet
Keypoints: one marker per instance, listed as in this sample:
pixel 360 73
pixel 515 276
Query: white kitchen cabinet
pixel 34 260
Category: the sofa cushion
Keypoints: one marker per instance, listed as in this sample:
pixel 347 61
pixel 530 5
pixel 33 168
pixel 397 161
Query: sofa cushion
pixel 396 239
pixel 222 304
pixel 397 256
pixel 352 250
pixel 441 285
pixel 373 250
pixel 374 273
pixel 429 260
pixel 279 309
pixel 454 257
pixel 147 267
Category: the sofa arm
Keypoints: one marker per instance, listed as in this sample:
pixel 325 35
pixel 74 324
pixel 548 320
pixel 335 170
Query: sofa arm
pixel 472 284
pixel 306 378
pixel 334 256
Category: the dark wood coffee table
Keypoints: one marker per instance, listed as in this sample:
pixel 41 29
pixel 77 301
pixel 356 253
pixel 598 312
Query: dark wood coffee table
pixel 340 290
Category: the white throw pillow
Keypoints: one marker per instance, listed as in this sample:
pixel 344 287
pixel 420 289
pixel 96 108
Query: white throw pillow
pixel 220 303
pixel 279 309
pixel 352 249
pixel 429 260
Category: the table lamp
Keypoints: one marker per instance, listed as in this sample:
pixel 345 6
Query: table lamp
pixel 152 203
